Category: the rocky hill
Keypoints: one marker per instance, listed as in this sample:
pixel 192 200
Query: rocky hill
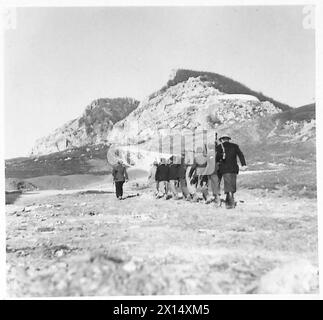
pixel 91 128
pixel 192 104
pixel 220 82
pixel 197 110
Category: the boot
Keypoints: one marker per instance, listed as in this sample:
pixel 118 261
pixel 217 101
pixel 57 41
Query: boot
pixel 217 202
pixel 227 197
pixel 209 199
pixel 195 197
pixel 230 201
pixel 176 197
pixel 234 203
pixel 168 196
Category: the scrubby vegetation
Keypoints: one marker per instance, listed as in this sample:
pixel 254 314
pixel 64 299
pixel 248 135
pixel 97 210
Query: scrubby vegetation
pixel 298 180
pixel 304 113
pixel 213 120
pixel 68 162
pixel 103 113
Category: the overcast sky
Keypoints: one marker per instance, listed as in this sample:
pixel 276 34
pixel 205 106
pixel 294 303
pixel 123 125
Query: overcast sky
pixel 58 60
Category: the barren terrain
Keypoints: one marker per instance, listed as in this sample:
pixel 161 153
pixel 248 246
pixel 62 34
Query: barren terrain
pixel 86 242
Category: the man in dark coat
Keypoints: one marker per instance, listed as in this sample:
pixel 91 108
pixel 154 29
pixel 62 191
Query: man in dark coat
pixel 120 176
pixel 162 176
pixel 227 154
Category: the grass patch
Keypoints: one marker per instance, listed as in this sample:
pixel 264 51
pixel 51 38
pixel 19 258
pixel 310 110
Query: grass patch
pixel 295 180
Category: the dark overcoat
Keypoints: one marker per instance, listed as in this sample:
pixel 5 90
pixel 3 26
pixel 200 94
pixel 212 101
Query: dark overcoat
pixel 119 173
pixel 229 164
pixel 173 171
pixel 162 173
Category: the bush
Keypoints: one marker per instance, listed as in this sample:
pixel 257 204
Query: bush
pixel 100 112
pixel 213 120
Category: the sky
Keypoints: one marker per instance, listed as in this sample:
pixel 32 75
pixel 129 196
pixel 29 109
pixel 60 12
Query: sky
pixel 57 60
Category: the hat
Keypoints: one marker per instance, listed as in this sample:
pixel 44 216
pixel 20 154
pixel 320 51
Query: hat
pixel 224 137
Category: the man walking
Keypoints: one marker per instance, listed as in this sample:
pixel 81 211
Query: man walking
pixel 227 154
pixel 120 176
pixel 152 176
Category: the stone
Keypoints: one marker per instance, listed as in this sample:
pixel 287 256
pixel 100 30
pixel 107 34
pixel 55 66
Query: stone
pixel 45 229
pixel 130 266
pixel 298 276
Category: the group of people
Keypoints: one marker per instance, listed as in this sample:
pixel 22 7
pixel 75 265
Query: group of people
pixel 201 180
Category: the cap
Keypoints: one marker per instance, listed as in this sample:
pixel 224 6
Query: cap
pixel 225 137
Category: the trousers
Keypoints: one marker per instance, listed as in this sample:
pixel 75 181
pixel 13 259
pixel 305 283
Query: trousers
pixel 230 182
pixel 172 187
pixel 214 184
pixel 119 188
pixel 183 187
pixel 163 187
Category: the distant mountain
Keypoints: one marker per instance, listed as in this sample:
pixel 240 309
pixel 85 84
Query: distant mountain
pixel 220 82
pixel 304 113
pixel 92 127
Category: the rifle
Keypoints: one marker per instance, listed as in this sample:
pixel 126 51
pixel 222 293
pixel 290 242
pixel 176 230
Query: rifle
pixel 216 144
pixel 223 150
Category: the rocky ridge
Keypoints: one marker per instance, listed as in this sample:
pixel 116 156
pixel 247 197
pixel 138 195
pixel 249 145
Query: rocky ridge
pixel 193 105
pixel 91 128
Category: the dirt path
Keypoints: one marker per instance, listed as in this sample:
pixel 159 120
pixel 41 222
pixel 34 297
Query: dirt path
pixel 78 243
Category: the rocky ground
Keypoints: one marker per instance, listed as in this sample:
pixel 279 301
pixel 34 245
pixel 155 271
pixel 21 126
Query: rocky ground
pixel 88 243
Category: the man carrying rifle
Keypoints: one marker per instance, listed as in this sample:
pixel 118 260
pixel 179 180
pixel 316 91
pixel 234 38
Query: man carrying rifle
pixel 227 154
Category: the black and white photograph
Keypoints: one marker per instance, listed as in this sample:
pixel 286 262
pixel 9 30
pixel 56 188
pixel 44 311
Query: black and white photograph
pixel 160 150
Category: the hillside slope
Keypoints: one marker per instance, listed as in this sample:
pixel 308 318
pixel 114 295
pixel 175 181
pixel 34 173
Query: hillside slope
pixel 190 105
pixel 78 160
pixel 90 128
pixel 197 105
pixel 303 113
